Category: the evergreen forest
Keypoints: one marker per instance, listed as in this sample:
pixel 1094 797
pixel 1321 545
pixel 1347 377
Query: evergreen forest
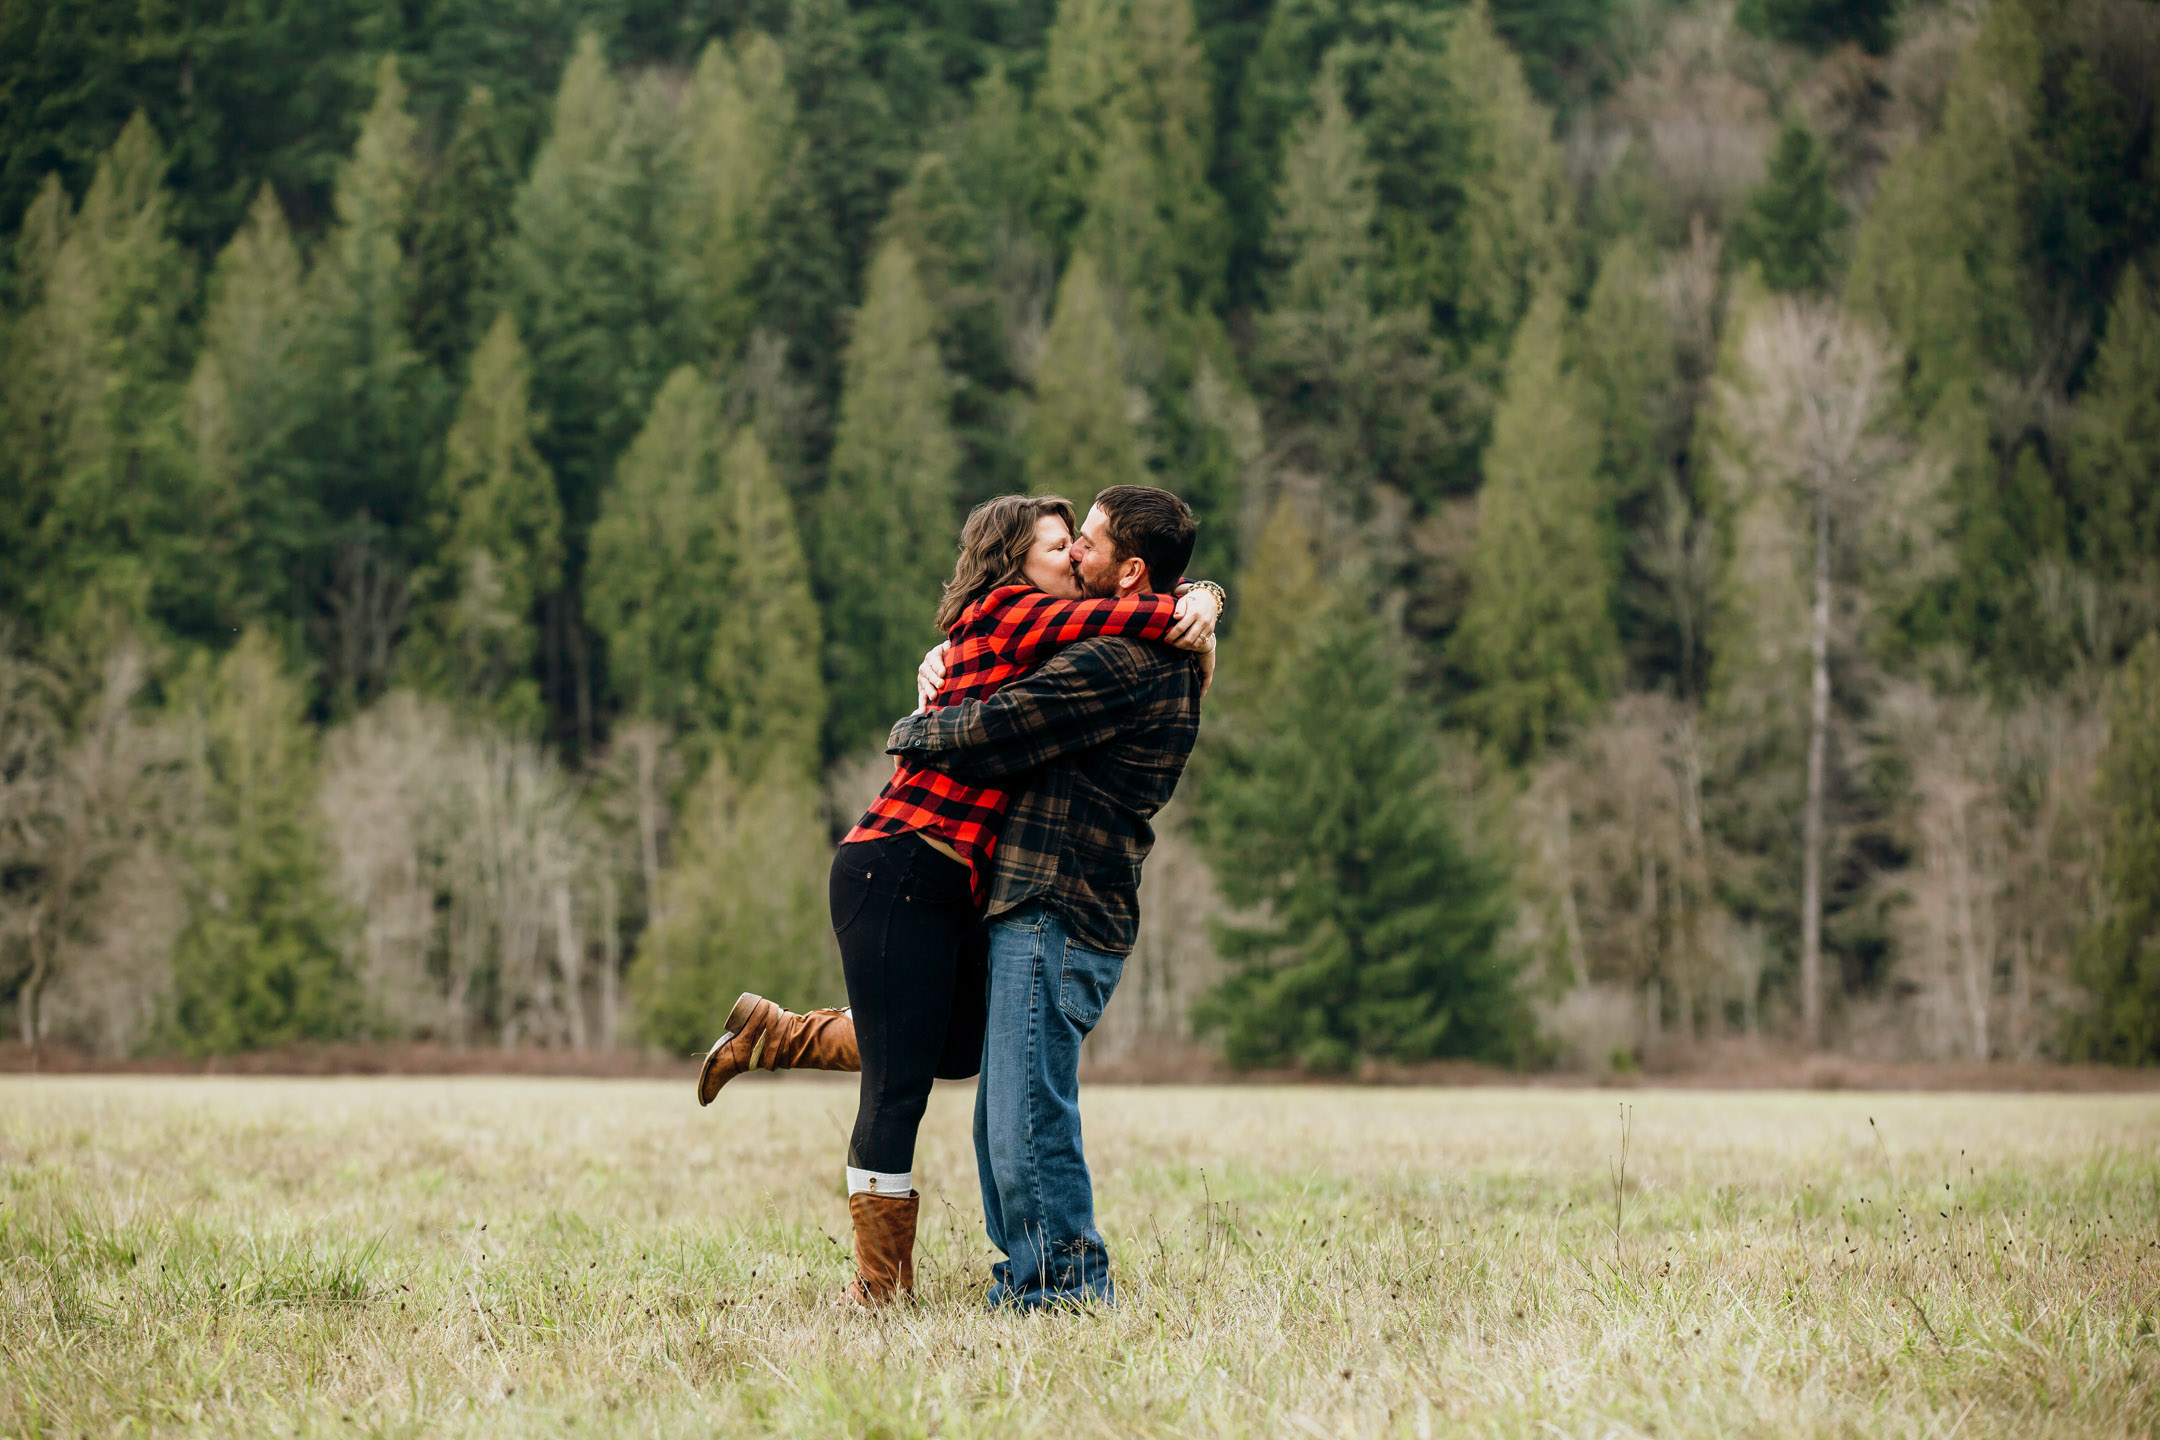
pixel 475 482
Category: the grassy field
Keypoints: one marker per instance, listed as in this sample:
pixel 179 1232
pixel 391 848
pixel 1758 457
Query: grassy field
pixel 393 1257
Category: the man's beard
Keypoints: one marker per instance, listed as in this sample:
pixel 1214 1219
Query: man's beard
pixel 1104 589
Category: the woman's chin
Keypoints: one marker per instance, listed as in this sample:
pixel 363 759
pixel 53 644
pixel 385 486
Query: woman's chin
pixel 1062 587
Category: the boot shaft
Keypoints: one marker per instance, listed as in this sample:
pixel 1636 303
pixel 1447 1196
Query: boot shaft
pixel 884 1247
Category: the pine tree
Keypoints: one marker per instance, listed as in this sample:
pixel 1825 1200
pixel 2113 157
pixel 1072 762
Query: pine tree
pixel 885 521
pixel 2115 439
pixel 499 538
pixel 997 153
pixel 243 402
pixel 1380 937
pixel 463 219
pixel 1080 438
pixel 768 694
pixel 243 95
pixel 656 581
pixel 1821 24
pixel 839 179
pixel 1631 385
pixel 1624 350
pixel 742 908
pixel 699 585
pixel 1172 107
pixel 1538 631
pixel 1939 264
pixel 592 273
pixel 107 513
pixel 259 960
pixel 1125 127
pixel 587 294
pixel 1276 92
pixel 2092 199
pixel 944 217
pixel 1417 134
pixel 1352 385
pixel 2119 960
pixel 1124 131
pixel 1793 220
pixel 368 419
pixel 1515 231
pixel 1087 71
pixel 741 129
pixel 1220 445
pixel 1126 233
pixel 1278 591
pixel 1128 107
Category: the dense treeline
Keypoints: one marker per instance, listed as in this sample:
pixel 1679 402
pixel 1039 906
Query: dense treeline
pixel 476 481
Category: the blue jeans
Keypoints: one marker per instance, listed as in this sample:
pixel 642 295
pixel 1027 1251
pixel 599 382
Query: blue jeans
pixel 1046 993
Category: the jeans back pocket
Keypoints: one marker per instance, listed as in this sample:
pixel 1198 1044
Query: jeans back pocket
pixel 1086 981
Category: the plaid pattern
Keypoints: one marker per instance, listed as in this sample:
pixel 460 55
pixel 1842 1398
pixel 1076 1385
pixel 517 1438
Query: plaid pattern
pixel 998 639
pixel 1105 729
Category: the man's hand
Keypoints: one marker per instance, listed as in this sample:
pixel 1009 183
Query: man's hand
pixel 929 676
pixel 1197 612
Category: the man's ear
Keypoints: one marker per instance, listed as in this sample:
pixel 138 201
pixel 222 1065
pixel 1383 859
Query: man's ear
pixel 1132 576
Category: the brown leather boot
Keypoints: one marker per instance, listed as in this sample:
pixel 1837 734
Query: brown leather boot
pixel 884 1248
pixel 762 1036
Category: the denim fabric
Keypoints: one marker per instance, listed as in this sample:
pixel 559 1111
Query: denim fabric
pixel 1046 993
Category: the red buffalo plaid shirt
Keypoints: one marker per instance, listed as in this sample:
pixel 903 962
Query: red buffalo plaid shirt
pixel 997 639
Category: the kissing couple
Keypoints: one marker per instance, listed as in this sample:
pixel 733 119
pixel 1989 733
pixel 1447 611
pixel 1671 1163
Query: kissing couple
pixel 987 899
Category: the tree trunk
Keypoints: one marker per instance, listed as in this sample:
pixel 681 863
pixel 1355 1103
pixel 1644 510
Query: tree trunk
pixel 648 809
pixel 1570 919
pixel 33 986
pixel 610 962
pixel 581 678
pixel 2020 997
pixel 569 955
pixel 26 1008
pixel 1811 839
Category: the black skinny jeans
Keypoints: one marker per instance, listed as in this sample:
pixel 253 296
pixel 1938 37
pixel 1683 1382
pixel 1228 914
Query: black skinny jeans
pixel 913 955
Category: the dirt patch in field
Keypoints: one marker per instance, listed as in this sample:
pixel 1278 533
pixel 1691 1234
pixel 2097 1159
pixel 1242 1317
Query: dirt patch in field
pixel 1707 1067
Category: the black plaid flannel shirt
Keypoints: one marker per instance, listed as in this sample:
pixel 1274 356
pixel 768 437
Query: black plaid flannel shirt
pixel 1093 744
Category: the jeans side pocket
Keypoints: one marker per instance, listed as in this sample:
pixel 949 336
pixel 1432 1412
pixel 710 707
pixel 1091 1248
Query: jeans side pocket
pixel 1086 981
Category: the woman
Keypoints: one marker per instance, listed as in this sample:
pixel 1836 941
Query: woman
pixel 908 880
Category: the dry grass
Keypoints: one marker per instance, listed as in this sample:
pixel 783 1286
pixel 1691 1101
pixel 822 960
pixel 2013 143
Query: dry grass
pixel 526 1256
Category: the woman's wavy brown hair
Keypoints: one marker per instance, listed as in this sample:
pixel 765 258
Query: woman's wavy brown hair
pixel 993 549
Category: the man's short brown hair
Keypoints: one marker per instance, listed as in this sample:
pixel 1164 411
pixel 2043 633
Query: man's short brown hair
pixel 1154 525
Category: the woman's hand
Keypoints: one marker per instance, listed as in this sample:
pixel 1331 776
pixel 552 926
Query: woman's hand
pixel 929 676
pixel 1197 612
pixel 1207 670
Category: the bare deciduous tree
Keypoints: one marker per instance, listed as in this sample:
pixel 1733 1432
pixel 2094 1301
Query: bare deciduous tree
pixel 634 781
pixel 466 854
pixel 1642 865
pixel 76 802
pixel 1174 962
pixel 1804 411
pixel 2003 812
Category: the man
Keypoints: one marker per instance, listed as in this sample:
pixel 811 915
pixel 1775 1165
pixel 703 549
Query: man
pixel 1096 740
